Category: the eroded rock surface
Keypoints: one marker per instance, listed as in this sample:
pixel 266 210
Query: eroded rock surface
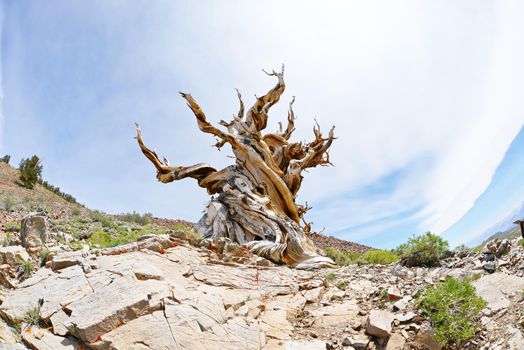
pixel 164 293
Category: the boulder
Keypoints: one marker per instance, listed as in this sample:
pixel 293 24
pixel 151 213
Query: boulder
pixel 379 323
pixel 13 255
pixel 496 287
pixel 33 230
pixel 394 294
pixel 396 342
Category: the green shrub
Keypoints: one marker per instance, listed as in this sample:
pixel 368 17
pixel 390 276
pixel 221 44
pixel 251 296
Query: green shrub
pixel 425 250
pixel 141 219
pixel 28 267
pixel 12 226
pixel 8 239
pixel 5 159
pixel 381 257
pixel 44 256
pixel 453 309
pixel 103 219
pixel 342 258
pixel 30 171
pixel 76 211
pixel 9 203
pixel 521 242
pixel 103 239
pixel 330 277
pixel 342 285
pixel 32 317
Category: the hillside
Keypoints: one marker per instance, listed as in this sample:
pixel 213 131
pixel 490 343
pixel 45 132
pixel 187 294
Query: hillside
pixel 78 279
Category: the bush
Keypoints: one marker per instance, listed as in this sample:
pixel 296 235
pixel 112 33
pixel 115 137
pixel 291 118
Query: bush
pixel 141 219
pixel 44 256
pixel 425 250
pixel 5 159
pixel 30 171
pixel 9 203
pixel 76 211
pixel 381 257
pixel 342 258
pixel 103 239
pixel 103 219
pixel 12 226
pixel 330 277
pixel 374 256
pixel 453 309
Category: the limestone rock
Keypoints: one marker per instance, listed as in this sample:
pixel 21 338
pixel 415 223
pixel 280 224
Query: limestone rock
pixel 394 294
pixel 144 271
pixel 379 323
pixel 42 339
pixel 396 342
pixel 336 314
pixel 13 254
pixel 33 230
pixel 7 334
pixel 494 289
pixel 67 259
pixel 110 306
pixel 305 345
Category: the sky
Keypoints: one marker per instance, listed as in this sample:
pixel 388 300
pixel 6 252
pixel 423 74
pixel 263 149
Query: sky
pixel 425 96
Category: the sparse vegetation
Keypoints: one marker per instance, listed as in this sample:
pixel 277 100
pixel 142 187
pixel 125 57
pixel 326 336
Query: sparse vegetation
pixel 32 317
pixel 30 171
pixel 384 294
pixel 5 159
pixel 8 239
pixel 330 277
pixel 27 267
pixel 380 257
pixel 342 285
pixel 453 309
pixel 56 190
pixel 44 256
pixel 374 256
pixel 106 221
pixel 141 219
pixel 12 226
pixel 76 211
pixel 424 250
pixel 9 203
pixel 342 258
pixel 521 242
pixel 100 238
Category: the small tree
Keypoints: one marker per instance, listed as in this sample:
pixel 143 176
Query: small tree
pixel 5 159
pixel 30 171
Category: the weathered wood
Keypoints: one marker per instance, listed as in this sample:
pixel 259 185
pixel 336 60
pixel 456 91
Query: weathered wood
pixel 255 203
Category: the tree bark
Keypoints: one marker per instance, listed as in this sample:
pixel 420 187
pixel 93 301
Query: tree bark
pixel 255 198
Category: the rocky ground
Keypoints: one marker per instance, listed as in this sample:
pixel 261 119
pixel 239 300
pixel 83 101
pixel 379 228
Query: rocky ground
pixel 174 291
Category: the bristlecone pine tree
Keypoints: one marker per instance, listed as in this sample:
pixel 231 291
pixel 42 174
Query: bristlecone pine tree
pixel 254 202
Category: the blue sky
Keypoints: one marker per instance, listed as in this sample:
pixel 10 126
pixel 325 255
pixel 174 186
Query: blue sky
pixel 425 95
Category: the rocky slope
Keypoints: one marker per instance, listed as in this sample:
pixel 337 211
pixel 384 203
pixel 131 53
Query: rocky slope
pixel 173 291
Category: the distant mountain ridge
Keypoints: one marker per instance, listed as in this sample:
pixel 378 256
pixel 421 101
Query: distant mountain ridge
pixel 505 227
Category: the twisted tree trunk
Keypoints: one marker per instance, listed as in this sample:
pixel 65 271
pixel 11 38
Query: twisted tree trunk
pixel 255 202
